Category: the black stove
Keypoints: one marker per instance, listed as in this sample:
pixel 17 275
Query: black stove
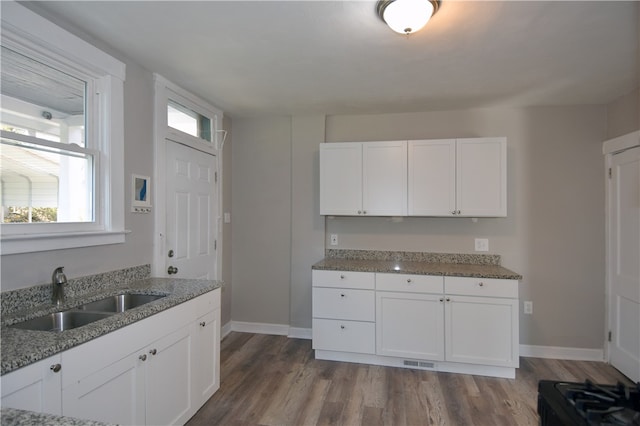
pixel 588 404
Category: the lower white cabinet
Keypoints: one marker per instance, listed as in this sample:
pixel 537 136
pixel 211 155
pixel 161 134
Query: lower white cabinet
pixel 456 324
pixel 157 371
pixel 344 311
pixel 35 387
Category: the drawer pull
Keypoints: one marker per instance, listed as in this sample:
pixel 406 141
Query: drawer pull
pixel 442 299
pixel 448 299
pixel 341 294
pixel 143 357
pixel 56 367
pixel 481 284
pixel 342 277
pixel 153 351
pixel 202 324
pixel 342 327
pixel 408 280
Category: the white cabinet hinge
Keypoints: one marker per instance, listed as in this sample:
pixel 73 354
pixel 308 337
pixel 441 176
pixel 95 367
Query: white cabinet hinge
pixel 215 176
pixel 610 335
pixel 215 244
pixel 609 172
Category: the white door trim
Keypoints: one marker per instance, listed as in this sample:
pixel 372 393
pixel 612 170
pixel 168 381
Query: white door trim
pixel 609 149
pixel 165 90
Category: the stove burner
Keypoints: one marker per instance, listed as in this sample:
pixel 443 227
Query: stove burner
pixel 564 403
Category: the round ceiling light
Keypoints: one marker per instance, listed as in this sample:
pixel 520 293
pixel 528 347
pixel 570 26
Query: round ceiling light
pixel 406 16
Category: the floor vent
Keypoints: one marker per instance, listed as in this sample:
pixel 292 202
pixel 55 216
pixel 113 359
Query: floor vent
pixel 419 364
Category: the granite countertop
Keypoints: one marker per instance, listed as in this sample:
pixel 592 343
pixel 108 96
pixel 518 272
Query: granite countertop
pixel 451 265
pixel 14 417
pixel 24 347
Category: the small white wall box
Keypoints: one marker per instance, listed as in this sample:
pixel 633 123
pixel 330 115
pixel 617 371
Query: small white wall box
pixel 140 194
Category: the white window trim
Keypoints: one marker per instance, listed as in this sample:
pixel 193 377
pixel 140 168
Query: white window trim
pixel 27 31
pixel 165 90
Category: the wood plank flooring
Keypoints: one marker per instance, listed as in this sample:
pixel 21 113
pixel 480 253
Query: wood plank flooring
pixel 274 380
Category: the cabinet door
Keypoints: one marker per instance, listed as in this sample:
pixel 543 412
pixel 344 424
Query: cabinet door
pixel 114 394
pixel 36 387
pixel 432 177
pixel 341 178
pixel 206 355
pixel 482 330
pixel 481 181
pixel 168 376
pixel 384 178
pixel 410 325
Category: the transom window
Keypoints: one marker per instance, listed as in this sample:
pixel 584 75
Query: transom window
pixel 188 121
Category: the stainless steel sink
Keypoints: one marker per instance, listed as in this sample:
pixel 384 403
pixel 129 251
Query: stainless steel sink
pixel 60 321
pixel 120 302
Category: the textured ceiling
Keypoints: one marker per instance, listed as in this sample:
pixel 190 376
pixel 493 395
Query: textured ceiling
pixel 336 57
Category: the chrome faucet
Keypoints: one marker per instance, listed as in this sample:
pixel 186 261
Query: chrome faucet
pixel 58 280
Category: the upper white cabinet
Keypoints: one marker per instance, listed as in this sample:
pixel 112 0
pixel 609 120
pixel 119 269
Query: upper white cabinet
pixel 458 177
pixel 441 177
pixel 363 178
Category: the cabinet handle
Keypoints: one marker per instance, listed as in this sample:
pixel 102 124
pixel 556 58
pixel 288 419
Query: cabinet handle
pixel 143 357
pixel 359 211
pixel 408 280
pixel 202 324
pixel 442 299
pixel 458 212
pixel 453 212
pixel 342 327
pixel 342 277
pixel 56 367
pixel 448 299
pixel 341 294
pixel 481 284
pixel 153 351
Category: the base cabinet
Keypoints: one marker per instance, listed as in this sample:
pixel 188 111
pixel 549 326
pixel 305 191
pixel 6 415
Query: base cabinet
pixel 455 324
pixel 157 371
pixel 35 387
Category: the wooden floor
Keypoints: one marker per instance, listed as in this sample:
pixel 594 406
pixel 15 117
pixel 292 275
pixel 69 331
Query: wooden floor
pixel 274 380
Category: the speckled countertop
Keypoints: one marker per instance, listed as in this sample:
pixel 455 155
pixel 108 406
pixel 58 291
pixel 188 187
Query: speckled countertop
pixel 446 264
pixel 23 347
pixel 13 417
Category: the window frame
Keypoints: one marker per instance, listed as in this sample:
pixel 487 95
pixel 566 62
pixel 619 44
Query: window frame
pixel 42 40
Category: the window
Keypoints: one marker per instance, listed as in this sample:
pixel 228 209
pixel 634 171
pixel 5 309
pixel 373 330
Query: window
pixel 188 121
pixel 47 173
pixel 61 145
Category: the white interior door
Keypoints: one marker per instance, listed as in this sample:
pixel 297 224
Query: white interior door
pixel 191 212
pixel 624 297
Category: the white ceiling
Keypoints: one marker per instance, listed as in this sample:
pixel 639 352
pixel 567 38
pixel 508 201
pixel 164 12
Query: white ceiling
pixel 337 57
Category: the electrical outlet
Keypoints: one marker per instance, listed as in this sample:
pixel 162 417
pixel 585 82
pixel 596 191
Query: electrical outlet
pixel 528 307
pixel 334 239
pixel 482 244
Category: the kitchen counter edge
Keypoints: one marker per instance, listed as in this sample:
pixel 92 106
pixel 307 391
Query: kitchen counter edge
pixel 417 268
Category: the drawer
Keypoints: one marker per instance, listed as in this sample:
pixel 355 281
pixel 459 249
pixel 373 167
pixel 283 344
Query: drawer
pixel 346 304
pixel 410 283
pixel 345 336
pixel 343 279
pixel 490 287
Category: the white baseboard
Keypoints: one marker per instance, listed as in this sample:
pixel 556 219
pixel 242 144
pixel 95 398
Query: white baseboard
pixel 225 329
pixel 556 352
pixel 300 333
pixel 264 328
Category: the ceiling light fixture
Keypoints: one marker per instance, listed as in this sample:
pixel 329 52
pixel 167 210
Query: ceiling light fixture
pixel 406 16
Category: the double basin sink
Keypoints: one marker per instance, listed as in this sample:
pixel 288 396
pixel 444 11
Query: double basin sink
pixel 87 313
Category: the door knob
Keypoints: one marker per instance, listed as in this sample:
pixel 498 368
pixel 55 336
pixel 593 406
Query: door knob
pixel 172 270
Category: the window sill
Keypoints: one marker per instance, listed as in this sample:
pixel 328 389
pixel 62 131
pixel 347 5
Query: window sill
pixel 44 242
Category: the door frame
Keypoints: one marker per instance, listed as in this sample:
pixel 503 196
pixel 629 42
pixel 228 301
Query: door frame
pixel 163 91
pixel 609 149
